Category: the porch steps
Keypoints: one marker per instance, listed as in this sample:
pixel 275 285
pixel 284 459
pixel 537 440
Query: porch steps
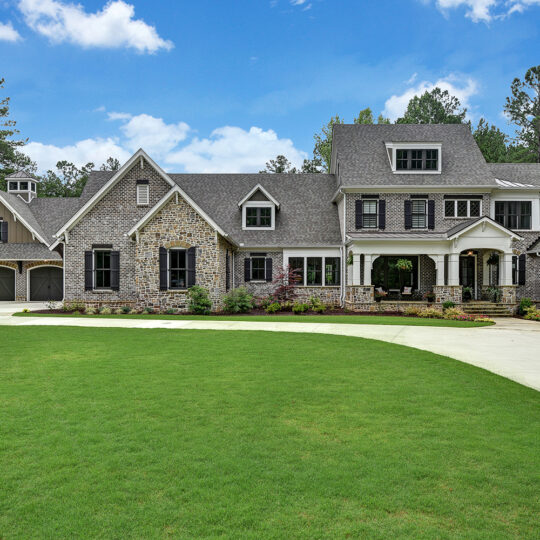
pixel 489 309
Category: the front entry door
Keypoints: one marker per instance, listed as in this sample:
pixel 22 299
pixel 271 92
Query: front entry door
pixel 467 267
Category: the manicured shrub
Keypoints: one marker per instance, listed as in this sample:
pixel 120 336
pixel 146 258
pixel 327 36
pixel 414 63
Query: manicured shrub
pixel 456 314
pixel 430 313
pixel 412 311
pixel 126 310
pixel 273 307
pixel 170 311
pixel 532 314
pixel 90 310
pixel 104 310
pixel 238 301
pixel 148 310
pixel 524 305
pixel 299 308
pixel 448 304
pixel 119 311
pixel 199 301
pixel 316 305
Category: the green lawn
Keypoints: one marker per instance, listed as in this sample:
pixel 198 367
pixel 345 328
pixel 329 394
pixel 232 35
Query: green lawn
pixel 336 319
pixel 124 433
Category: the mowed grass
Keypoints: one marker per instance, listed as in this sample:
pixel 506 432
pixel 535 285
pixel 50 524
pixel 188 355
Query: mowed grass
pixel 332 319
pixel 126 433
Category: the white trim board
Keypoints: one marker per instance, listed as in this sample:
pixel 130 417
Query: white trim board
pixel 258 187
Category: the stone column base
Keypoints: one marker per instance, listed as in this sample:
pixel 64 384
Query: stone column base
pixel 445 293
pixel 357 295
pixel 508 294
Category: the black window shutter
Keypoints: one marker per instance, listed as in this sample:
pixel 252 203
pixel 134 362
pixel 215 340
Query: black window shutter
pixel 88 270
pixel 227 271
pixel 382 214
pixel 521 272
pixel 268 269
pixel 4 231
pixel 408 215
pixel 247 269
pixel 115 270
pixel 192 266
pixel 163 281
pixel 431 214
pixel 358 219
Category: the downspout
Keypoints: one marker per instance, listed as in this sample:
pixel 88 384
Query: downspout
pixel 343 251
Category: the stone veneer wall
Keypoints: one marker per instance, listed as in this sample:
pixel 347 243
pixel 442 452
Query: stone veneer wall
pixel 21 279
pixel 531 289
pixel 327 295
pixel 448 293
pixel 107 223
pixel 179 225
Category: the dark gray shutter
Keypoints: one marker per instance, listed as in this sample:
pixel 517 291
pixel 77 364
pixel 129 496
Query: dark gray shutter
pixel 247 269
pixel 431 214
pixel 408 215
pixel 163 281
pixel 88 270
pixel 4 231
pixel 192 266
pixel 358 214
pixel 521 271
pixel 115 270
pixel 382 214
pixel 227 271
pixel 268 269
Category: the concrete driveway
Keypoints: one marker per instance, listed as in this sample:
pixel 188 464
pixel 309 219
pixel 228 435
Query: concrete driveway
pixel 510 348
pixel 8 308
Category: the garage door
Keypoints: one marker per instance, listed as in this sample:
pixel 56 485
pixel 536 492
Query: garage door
pixel 46 284
pixel 7 284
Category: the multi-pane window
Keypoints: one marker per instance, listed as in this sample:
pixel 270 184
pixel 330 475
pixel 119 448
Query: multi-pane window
pixel 102 269
pixel 258 216
pixel 177 269
pixel 23 186
pixel 419 214
pixel 258 268
pixel 369 214
pixel 417 160
pixel 462 208
pixel 513 214
pixel 13 186
pixel 317 271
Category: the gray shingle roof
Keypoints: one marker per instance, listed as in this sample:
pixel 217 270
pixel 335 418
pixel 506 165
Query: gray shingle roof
pixel 96 180
pixel 27 252
pixel 363 159
pixel 23 209
pixel 21 175
pixel 53 212
pixel 521 173
pixel 306 216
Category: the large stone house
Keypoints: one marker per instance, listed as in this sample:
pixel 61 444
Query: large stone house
pixel 141 237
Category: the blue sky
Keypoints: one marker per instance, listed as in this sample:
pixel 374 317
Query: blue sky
pixel 225 85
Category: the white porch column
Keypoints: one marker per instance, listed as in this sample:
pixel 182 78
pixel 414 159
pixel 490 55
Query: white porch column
pixel 439 266
pixel 368 265
pixel 356 270
pixel 453 269
pixel 506 267
pixel 485 269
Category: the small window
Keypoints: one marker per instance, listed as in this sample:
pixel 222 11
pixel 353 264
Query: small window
pixel 417 160
pixel 13 186
pixel 449 208
pixel 23 186
pixel 33 187
pixel 177 269
pixel 259 216
pixel 258 268
pixel 419 216
pixel 462 208
pixel 369 214
pixel 143 194
pixel 474 208
pixel 102 269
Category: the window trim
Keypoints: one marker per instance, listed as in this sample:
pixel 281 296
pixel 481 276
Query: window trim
pixel 169 268
pixel 259 204
pixel 392 149
pixel 147 190
pixel 468 216
pixel 425 214
pixel 304 269
pixel 376 214
pixel 94 269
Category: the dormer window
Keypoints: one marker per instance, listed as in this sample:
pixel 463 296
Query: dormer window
pixel 13 186
pixel 258 210
pixel 415 158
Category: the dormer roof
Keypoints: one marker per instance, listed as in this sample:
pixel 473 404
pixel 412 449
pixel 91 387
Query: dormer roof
pixel 22 175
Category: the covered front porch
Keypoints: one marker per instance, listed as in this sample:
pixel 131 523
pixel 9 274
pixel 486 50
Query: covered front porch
pixel 476 262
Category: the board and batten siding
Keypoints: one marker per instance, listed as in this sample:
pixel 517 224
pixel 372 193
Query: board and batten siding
pixel 17 232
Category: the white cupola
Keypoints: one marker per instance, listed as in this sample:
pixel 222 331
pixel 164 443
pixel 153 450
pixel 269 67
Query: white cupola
pixel 23 184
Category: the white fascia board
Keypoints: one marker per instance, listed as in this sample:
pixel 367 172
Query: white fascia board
pixel 110 184
pixel 23 221
pixel 258 187
pixel 491 222
pixel 417 189
pixel 281 248
pixel 177 189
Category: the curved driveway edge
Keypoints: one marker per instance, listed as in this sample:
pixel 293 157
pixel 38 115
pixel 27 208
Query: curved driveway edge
pixel 510 348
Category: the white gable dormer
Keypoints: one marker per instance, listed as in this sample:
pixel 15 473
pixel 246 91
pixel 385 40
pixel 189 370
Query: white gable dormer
pixel 23 184
pixel 415 158
pixel 258 210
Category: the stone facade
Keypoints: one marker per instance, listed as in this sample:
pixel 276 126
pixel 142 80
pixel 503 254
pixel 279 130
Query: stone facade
pixel 258 289
pixel 327 295
pixel 448 293
pixel 177 224
pixel 356 295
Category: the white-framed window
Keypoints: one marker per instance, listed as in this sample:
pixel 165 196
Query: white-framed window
pixel 370 217
pixel 143 194
pixel 415 157
pixel 314 271
pixel 258 215
pixel 177 269
pixel 13 186
pixel 462 208
pixel 418 214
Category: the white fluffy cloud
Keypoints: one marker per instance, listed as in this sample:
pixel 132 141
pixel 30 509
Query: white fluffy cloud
pixel 463 89
pixel 233 149
pixel 228 149
pixel 8 33
pixel 486 10
pixel 112 27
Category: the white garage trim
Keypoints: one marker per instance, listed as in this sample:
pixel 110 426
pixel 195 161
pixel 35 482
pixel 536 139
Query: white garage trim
pixel 43 266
